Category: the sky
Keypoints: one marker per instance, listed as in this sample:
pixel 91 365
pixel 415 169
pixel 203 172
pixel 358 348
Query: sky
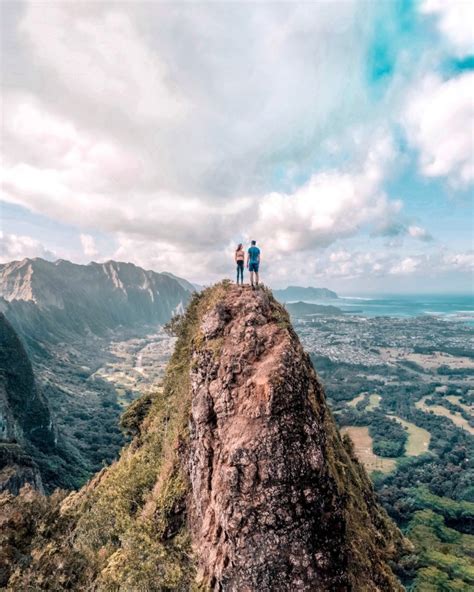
pixel 338 134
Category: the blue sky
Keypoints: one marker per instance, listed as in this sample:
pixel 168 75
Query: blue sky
pixel 338 134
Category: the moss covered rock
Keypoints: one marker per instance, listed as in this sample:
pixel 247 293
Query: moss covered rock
pixel 236 478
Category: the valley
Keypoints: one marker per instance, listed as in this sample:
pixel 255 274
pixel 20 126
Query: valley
pixel 93 336
pixel 136 365
pixel 366 366
pixel 91 380
pixel 403 390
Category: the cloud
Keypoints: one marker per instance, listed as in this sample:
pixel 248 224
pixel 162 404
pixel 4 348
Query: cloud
pixel 454 20
pixel 68 175
pixel 89 246
pixel 103 56
pixel 350 265
pixel 439 120
pixel 419 233
pixel 459 261
pixel 174 129
pixel 15 247
pixel 331 205
pixel 203 101
pixel 407 265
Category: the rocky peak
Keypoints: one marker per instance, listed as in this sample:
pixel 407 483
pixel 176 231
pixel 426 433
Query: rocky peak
pixel 278 504
pixel 236 480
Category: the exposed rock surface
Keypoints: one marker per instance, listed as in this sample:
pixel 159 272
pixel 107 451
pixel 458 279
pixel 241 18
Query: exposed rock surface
pixel 25 420
pixel 276 502
pixel 236 480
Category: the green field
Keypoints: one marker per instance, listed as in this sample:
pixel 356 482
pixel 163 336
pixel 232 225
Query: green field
pixel 456 418
pixel 418 438
pixel 457 401
pixel 374 402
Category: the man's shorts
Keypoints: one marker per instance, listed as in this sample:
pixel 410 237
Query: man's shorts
pixel 253 267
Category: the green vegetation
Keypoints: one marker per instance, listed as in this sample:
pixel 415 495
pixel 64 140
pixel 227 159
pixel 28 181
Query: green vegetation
pixel 451 509
pixel 389 437
pixel 418 438
pixel 440 554
pixel 443 471
pixel 129 524
pixel 374 402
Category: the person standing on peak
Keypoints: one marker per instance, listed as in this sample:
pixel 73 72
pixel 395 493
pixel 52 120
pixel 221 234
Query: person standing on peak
pixel 253 263
pixel 239 259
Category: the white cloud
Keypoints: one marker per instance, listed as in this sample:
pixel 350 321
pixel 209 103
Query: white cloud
pixel 419 233
pixel 331 205
pixel 17 247
pixel 407 265
pixel 211 100
pixel 459 261
pixel 345 265
pixel 88 245
pixel 177 128
pixel 439 121
pixel 99 53
pixel 455 18
pixel 68 176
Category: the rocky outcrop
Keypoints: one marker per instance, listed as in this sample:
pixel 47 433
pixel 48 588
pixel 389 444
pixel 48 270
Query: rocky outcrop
pixel 277 502
pixel 237 479
pixel 25 420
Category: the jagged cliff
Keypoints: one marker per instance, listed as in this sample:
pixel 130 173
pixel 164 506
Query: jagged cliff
pixel 49 301
pixel 25 420
pixel 236 479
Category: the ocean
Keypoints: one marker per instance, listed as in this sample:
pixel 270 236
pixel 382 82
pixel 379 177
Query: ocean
pixel 450 307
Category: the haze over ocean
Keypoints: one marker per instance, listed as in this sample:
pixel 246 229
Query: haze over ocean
pixel 455 307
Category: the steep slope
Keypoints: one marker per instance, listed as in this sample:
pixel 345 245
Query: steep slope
pixel 49 300
pixel 236 480
pixel 184 283
pixel 25 421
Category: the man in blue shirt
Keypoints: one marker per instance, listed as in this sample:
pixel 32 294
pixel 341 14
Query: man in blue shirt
pixel 253 262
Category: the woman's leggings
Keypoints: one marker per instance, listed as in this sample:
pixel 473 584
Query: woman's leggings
pixel 240 271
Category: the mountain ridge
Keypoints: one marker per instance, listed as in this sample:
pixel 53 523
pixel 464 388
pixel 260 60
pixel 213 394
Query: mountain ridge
pixel 42 298
pixel 236 478
pixel 294 293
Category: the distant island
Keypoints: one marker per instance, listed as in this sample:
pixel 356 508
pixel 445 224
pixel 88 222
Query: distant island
pixel 303 309
pixel 298 293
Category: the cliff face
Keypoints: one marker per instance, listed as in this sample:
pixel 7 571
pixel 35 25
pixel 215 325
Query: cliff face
pixel 278 504
pixel 25 420
pixel 236 480
pixel 49 300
